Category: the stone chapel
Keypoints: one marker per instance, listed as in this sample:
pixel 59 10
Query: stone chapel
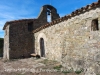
pixel 73 40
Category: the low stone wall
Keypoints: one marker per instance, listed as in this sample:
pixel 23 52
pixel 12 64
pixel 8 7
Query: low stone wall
pixel 73 43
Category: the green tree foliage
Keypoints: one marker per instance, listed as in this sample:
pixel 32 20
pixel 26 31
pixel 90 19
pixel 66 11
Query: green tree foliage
pixel 1 46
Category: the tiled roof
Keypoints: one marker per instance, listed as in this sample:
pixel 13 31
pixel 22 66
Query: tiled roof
pixel 16 21
pixel 74 13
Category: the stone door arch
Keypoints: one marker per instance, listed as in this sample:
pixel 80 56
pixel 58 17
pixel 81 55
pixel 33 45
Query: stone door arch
pixel 42 47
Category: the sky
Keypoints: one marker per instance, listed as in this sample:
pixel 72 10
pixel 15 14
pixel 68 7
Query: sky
pixel 26 9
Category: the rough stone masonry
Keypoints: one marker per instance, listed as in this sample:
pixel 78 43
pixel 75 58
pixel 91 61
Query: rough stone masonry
pixel 73 40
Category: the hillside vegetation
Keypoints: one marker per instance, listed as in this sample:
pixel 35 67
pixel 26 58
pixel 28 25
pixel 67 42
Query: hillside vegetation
pixel 1 46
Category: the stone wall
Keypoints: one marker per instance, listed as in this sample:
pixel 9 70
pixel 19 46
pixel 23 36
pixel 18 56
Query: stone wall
pixel 20 40
pixel 6 44
pixel 73 43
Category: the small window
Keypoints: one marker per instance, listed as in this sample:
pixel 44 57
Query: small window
pixel 30 26
pixel 94 25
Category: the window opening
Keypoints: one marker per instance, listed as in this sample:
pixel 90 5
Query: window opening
pixel 30 26
pixel 94 25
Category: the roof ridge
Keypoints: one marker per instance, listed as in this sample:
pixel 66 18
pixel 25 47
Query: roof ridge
pixel 14 21
pixel 19 20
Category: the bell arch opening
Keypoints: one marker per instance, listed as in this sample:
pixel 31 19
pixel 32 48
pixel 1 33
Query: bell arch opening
pixel 48 14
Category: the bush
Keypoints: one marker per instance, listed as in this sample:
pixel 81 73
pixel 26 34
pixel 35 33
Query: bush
pixel 79 71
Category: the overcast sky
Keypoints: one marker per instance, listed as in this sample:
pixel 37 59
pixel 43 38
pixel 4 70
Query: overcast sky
pixel 23 9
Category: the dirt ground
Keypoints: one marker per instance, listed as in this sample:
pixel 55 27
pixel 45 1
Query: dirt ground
pixel 33 66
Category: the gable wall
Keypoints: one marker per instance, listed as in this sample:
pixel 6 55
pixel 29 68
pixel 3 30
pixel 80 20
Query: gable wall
pixel 20 40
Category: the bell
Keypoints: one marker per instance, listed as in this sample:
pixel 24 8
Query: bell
pixel 48 13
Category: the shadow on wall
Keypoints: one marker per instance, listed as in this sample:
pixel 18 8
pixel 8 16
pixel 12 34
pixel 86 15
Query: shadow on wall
pixel 1 47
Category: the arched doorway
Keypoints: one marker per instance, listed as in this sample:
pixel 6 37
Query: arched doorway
pixel 42 48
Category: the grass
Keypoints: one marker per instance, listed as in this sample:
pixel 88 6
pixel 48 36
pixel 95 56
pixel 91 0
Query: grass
pixel 58 67
pixel 66 71
pixel 20 74
pixel 11 60
pixel 79 71
pixel 45 61
pixel 48 62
